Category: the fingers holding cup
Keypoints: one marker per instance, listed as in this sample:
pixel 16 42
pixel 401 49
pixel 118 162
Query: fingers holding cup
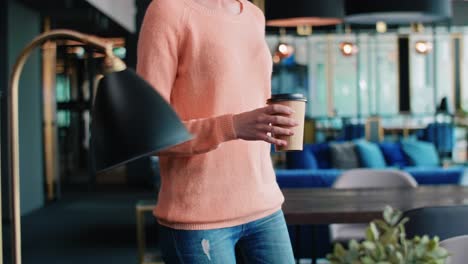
pixel 295 121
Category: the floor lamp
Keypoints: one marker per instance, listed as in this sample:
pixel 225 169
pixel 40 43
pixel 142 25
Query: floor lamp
pixel 129 120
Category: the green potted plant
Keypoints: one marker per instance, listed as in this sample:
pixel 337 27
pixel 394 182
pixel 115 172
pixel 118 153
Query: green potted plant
pixel 386 243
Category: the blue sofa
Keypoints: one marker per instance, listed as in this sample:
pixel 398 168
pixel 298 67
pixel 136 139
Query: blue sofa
pixel 314 166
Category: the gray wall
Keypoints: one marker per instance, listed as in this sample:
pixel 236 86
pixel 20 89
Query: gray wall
pixel 3 85
pixel 23 25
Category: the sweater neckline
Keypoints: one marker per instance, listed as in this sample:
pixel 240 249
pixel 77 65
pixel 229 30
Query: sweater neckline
pixel 219 12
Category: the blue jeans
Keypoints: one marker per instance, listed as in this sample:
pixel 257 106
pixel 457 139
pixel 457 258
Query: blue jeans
pixel 262 241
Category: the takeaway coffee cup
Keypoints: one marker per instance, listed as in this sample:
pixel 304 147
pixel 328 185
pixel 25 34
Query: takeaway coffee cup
pixel 298 103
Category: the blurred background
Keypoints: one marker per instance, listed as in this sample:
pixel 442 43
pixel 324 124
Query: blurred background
pixel 409 79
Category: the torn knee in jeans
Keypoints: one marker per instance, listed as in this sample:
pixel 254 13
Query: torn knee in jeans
pixel 206 248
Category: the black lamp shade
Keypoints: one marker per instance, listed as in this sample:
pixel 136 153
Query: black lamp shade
pixel 280 13
pixel 131 120
pixel 397 11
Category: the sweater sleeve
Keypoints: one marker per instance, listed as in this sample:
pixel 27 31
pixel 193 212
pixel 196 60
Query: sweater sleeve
pixel 157 53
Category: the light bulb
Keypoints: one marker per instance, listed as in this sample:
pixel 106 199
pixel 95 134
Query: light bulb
pixel 283 48
pixel 283 51
pixel 423 47
pixel 348 48
pixel 381 27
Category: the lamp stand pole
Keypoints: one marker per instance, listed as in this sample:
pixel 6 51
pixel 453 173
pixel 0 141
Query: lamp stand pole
pixel 112 63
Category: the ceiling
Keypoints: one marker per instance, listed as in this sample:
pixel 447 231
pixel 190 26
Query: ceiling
pixel 77 15
pixel 460 18
pixel 82 16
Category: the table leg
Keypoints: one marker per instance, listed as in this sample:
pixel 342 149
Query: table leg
pixel 314 244
pixel 297 242
pixel 297 247
pixel 140 222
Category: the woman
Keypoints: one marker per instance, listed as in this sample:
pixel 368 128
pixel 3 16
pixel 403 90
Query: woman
pixel 209 59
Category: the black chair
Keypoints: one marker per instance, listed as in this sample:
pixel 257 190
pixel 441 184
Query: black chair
pixel 443 221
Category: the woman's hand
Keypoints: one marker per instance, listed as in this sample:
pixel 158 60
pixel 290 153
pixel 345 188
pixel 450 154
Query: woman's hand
pixel 259 123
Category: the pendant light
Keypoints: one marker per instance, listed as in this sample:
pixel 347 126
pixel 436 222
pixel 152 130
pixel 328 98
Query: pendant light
pixel 348 48
pixel 283 50
pixel 423 47
pixel 396 12
pixel 280 13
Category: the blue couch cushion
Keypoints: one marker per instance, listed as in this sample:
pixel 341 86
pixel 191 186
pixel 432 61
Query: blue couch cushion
pixel 393 154
pixel 344 156
pixel 314 156
pixel 420 154
pixel 354 131
pixel 302 159
pixel 369 154
pixel 321 153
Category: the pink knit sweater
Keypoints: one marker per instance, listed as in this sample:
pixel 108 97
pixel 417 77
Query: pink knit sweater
pixel 209 65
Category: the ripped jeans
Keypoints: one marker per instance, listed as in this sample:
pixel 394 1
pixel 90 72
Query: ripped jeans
pixel 262 241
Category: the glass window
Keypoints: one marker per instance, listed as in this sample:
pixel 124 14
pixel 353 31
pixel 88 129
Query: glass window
pixel 444 67
pixel 344 78
pixel 333 83
pixel 464 75
pixel 317 74
pixel 386 81
pixel 423 76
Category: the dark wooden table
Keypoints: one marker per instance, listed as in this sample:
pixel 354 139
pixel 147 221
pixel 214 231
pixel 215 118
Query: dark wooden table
pixel 315 206
pixel 325 205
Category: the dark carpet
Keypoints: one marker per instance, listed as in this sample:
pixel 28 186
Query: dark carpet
pixel 85 228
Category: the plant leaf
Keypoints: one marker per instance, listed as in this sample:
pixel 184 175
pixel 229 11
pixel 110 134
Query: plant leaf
pixel 339 251
pixel 374 230
pixel 386 243
pixel 368 245
pixel 395 218
pixel 387 214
